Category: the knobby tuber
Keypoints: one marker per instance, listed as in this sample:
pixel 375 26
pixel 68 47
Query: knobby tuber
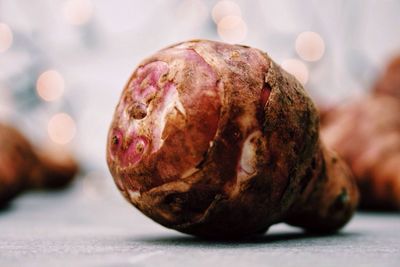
pixel 218 141
pixel 366 133
pixel 22 166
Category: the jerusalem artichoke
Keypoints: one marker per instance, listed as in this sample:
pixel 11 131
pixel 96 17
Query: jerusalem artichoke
pixel 218 141
pixel 366 133
pixel 22 166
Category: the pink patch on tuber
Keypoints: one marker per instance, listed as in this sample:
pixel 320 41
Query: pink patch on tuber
pixel 130 153
pixel 134 151
pixel 146 82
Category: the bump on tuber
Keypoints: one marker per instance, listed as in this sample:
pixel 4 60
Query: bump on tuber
pixel 216 140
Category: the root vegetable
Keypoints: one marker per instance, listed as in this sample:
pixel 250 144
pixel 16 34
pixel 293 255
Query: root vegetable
pixel 23 167
pixel 16 161
pixel 57 169
pixel 366 133
pixel 218 141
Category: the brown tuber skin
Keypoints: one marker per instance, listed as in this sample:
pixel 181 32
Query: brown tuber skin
pixel 216 140
pixel 23 167
pixel 366 133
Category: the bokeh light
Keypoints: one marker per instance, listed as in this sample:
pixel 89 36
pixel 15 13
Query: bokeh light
pixel 6 37
pixel 223 9
pixel 232 29
pixel 61 128
pixel 50 85
pixel 193 12
pixel 297 68
pixel 78 12
pixel 310 46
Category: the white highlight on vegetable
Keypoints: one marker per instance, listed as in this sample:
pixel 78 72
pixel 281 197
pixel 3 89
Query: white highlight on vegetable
pixel 247 162
pixel 179 107
pixel 134 195
pixel 161 112
pixel 189 172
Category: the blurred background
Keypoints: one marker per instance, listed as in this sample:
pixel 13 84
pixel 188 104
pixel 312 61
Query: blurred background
pixel 63 63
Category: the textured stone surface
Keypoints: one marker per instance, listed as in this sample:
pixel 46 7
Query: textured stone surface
pixel 91 225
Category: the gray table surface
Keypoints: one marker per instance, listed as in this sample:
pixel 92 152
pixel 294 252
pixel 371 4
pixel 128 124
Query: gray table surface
pixel 94 226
